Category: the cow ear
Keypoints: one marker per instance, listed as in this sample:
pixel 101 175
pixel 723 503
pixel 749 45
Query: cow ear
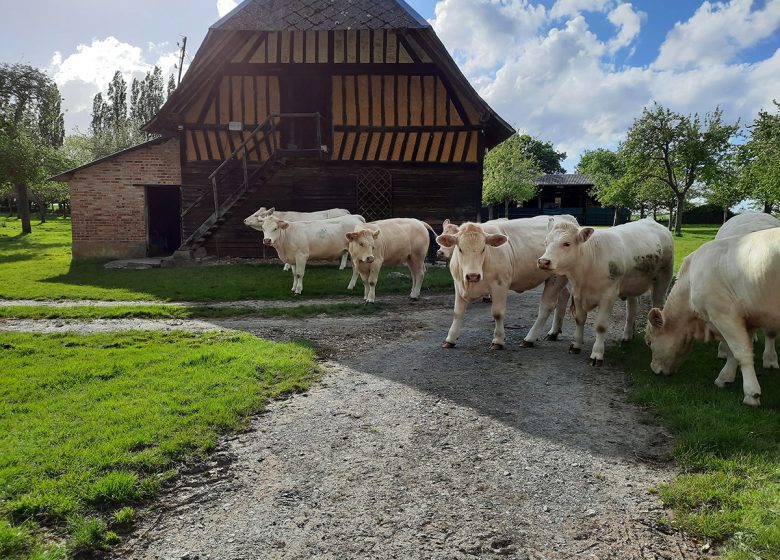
pixel 271 210
pixel 446 240
pixel 585 234
pixel 283 224
pixel 496 239
pixel 550 224
pixel 656 318
pixel 375 234
pixel 351 235
pixel 445 223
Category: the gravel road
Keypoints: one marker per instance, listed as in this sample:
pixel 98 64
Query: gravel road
pixel 406 450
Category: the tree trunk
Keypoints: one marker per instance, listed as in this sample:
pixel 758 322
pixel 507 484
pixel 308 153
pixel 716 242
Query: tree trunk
pixel 616 217
pixel 642 211
pixel 655 214
pixel 678 217
pixel 725 214
pixel 23 204
pixel 490 211
pixel 767 207
pixel 506 209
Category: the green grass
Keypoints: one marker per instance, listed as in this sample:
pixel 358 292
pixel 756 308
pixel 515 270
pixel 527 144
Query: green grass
pixel 693 237
pixel 729 454
pixel 39 266
pixel 88 312
pixel 91 425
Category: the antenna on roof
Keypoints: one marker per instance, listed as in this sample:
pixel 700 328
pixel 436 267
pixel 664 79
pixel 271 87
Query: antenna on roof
pixel 181 58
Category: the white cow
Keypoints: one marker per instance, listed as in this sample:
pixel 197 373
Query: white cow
pixel 748 222
pixel 603 265
pixel 726 289
pixel 493 259
pixel 448 227
pixel 297 242
pixel 255 221
pixel 390 242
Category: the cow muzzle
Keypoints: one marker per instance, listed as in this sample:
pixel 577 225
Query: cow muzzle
pixel 369 259
pixel 544 264
pixel 473 277
pixel 439 254
pixel 267 241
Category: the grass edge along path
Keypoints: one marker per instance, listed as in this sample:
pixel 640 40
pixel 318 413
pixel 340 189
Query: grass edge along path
pixel 94 424
pixel 728 454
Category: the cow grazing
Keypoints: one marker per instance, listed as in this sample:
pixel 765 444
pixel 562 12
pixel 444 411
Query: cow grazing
pixel 297 242
pixel 748 222
pixel 255 221
pixel 493 259
pixel 726 289
pixel 390 242
pixel 603 265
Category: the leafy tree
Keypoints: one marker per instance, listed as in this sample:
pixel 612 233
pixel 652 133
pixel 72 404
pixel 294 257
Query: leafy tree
pixel 678 151
pixel 611 186
pixel 171 86
pixel 510 174
pixel 549 161
pixel 759 161
pixel 31 127
pixel 727 189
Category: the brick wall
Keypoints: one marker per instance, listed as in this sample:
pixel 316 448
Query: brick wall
pixel 109 213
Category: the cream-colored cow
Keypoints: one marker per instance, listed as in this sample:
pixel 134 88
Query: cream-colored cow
pixel 726 289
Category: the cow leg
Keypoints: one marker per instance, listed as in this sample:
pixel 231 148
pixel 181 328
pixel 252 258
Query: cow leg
pixel 300 270
pixel 286 266
pixel 729 371
pixel 295 278
pixel 343 264
pixel 722 350
pixel 769 358
pixel 417 270
pixel 740 345
pixel 457 321
pixel 602 322
pixel 373 277
pixel 560 312
pixel 353 280
pixel 552 288
pixel 580 316
pixel 498 310
pixel 660 287
pixel 628 330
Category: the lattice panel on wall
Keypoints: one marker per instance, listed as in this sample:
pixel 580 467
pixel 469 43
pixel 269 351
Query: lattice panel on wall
pixel 375 194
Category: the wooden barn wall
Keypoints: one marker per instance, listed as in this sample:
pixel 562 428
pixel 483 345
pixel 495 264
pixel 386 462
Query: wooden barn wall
pixel 427 192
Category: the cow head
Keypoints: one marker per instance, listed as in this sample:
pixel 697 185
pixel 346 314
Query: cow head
pixel 451 229
pixel 272 228
pixel 562 245
pixel 255 221
pixel 361 244
pixel 668 344
pixel 470 244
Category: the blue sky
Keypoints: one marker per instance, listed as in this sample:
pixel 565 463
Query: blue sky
pixel 574 72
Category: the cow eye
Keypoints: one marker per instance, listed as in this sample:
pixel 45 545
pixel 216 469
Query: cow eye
pixel 483 249
pixel 566 244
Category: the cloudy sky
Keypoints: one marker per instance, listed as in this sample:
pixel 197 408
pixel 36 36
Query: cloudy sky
pixel 574 72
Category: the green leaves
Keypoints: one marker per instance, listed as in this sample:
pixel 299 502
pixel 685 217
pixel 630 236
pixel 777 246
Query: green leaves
pixel 510 172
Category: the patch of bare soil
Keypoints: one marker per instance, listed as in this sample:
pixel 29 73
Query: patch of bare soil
pixel 406 450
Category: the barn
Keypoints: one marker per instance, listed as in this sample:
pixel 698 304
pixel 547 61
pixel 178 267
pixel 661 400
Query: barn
pixel 304 105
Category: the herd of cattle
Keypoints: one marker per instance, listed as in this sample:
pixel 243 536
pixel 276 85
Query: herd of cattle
pixel 725 290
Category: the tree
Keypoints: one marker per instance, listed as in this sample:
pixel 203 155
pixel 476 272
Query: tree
pixel 31 125
pixel 610 186
pixel 548 160
pixel 510 174
pixel 759 161
pixel 678 151
pixel 171 86
pixel 727 189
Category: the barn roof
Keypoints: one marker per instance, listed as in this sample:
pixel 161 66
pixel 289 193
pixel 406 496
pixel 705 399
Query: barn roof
pixel 312 15
pixel 565 179
pixel 68 175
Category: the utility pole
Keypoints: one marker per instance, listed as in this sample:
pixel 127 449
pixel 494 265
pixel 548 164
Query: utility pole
pixel 181 58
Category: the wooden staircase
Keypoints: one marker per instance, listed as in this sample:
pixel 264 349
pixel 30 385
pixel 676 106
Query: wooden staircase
pixel 253 174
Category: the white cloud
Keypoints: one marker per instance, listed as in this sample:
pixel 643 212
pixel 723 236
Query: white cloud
pixel 717 32
pixel 557 81
pixel 224 6
pixel 87 71
pixel 563 8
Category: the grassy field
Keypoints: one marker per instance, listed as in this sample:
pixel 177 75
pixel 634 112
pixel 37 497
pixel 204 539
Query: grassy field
pixel 729 454
pixel 92 425
pixel 39 266
pixel 692 238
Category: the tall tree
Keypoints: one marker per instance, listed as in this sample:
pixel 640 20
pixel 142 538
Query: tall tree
pixel 727 189
pixel 31 124
pixel 171 86
pixel 510 174
pixel 759 161
pixel 610 185
pixel 549 161
pixel 677 150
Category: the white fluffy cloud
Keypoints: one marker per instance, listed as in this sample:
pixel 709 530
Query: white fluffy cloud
pixel 224 6
pixel 559 82
pixel 84 73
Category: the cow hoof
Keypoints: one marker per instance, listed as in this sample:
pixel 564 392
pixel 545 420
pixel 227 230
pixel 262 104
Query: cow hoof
pixel 595 362
pixel 752 400
pixel 771 365
pixel 527 344
pixel 495 346
pixel 573 350
pixel 723 384
pixel 413 298
pixel 552 336
pixel 446 344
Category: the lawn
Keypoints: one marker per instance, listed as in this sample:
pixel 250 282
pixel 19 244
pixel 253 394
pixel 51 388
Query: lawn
pixel 39 266
pixel 93 425
pixel 728 453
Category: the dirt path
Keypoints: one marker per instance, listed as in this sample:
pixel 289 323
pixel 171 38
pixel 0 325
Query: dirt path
pixel 409 451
